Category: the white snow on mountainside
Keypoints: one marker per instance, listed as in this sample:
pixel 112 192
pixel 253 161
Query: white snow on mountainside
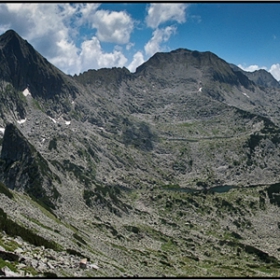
pixel 26 92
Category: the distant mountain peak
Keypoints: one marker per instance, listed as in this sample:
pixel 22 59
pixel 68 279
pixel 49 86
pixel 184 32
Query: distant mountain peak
pixel 182 64
pixel 260 77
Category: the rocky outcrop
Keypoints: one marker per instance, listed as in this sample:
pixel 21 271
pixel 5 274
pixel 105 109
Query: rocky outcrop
pixel 24 169
pixel 9 256
pixel 22 66
pixel 45 262
pixel 15 147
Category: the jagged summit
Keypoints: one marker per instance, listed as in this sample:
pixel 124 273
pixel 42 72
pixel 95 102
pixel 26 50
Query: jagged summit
pixel 22 66
pixel 263 78
pixel 10 32
pixel 10 35
pixel 260 77
pixel 15 53
pixel 12 38
pixel 103 75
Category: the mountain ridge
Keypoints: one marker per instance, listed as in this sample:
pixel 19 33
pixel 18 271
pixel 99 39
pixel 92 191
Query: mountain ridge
pixel 132 107
pixel 260 77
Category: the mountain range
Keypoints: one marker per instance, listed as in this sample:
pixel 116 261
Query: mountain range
pixel 172 170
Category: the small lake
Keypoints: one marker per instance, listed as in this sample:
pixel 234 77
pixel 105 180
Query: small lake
pixel 222 189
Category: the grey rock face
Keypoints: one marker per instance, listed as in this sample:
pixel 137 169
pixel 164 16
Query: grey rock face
pixel 23 168
pixel 22 66
pixel 15 147
pixel 259 77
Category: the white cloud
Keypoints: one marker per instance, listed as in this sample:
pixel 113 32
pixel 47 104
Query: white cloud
pixel 159 36
pixel 43 25
pixel 66 57
pixel 53 29
pixel 113 27
pixel 275 71
pixel 138 59
pixel 57 31
pixel 129 46
pixel 159 13
pixel 87 10
pixel 93 57
pixel 251 68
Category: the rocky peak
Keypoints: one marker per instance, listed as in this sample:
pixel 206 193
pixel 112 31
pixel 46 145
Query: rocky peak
pixel 184 63
pixel 11 41
pixel 22 66
pixel 263 78
pixel 260 77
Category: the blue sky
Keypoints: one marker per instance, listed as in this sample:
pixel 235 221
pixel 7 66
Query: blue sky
pixel 80 36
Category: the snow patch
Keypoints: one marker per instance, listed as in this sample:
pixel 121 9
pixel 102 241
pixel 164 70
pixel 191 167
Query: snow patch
pixel 200 89
pixel 52 119
pixel 21 121
pixel 2 130
pixel 67 122
pixel 26 92
pixel 43 141
pixel 246 94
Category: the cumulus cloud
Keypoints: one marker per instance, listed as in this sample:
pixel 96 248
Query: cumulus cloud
pixel 53 29
pixel 159 36
pixel 159 13
pixel 43 25
pixel 22 18
pixel 275 71
pixel 66 57
pixel 70 35
pixel 129 46
pixel 113 27
pixel 93 57
pixel 251 68
pixel 137 60
pixel 78 13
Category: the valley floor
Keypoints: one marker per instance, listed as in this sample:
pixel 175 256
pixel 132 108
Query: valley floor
pixel 162 232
